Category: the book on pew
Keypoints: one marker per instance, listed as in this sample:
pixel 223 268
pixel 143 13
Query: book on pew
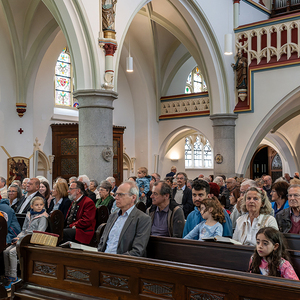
pixel 222 239
pixel 77 246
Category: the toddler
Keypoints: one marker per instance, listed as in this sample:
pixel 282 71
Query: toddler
pixel 143 183
pixel 36 219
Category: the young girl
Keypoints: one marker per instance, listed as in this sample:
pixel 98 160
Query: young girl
pixel 212 211
pixel 36 219
pixel 270 256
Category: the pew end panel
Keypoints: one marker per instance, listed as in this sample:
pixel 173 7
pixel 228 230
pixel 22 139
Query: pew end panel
pixel 51 270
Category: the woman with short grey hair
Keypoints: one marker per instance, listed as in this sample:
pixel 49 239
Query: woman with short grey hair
pixel 105 197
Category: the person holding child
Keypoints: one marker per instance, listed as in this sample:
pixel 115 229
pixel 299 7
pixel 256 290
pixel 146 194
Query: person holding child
pixel 270 255
pixel 36 219
pixel 143 183
pixel 212 213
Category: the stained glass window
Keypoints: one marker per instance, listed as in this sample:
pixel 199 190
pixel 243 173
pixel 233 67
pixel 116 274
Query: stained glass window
pixel 63 80
pixel 195 82
pixel 198 154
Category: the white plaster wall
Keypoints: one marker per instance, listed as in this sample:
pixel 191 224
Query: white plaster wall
pixel 250 14
pixel 270 86
pixel 177 85
pixel 123 114
pixel 166 127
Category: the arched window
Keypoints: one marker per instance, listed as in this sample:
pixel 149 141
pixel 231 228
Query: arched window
pixel 198 152
pixel 195 82
pixel 63 80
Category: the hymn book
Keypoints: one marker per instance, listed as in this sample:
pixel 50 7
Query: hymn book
pixel 222 239
pixel 73 245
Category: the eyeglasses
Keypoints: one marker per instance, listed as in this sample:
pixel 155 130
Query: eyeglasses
pixel 293 195
pixel 123 194
pixel 73 188
pixel 12 191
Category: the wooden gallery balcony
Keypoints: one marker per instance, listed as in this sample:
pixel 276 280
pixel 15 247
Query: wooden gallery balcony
pixel 283 7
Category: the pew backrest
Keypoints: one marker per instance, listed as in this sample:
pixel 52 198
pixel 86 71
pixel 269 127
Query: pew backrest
pixel 48 271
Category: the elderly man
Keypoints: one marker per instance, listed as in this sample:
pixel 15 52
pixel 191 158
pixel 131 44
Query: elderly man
pixel 267 185
pixel 72 179
pixel 230 186
pixel 166 215
pixel 80 221
pixel 32 190
pixel 182 194
pixel 220 182
pixel 112 181
pixel 156 176
pixel 3 189
pixel 288 219
pixel 200 191
pixel 86 181
pixel 173 172
pixel 128 231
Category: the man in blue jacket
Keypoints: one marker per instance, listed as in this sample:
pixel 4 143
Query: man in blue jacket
pixel 13 226
pixel 200 191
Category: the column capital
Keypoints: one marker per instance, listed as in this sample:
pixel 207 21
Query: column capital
pixel 95 98
pixel 223 119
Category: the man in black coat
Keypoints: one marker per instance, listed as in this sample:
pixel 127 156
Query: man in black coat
pixel 182 194
pixel 32 189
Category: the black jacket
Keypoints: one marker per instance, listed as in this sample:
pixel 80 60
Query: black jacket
pixel 63 207
pixel 187 201
pixel 27 208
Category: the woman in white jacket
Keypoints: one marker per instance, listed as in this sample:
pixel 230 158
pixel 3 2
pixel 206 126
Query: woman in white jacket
pixel 257 209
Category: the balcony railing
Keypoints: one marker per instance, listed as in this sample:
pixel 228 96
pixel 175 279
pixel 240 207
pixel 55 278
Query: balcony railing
pixel 283 7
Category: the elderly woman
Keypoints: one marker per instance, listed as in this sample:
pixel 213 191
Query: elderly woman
pixel 105 196
pixel 256 208
pixel 279 192
pixel 60 201
pixel 14 195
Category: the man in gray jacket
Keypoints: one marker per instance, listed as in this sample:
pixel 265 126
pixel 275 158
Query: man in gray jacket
pixel 166 214
pixel 127 231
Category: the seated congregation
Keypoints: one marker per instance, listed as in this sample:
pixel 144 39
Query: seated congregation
pixel 252 213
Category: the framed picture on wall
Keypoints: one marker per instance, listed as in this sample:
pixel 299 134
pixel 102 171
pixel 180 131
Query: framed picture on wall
pixel 17 169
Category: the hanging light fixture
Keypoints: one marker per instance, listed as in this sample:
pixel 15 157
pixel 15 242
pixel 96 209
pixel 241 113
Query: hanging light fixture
pixel 129 61
pixel 228 44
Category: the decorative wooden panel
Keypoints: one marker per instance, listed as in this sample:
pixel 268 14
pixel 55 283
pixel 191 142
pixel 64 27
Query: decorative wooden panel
pixel 154 288
pixel 80 275
pixel 194 294
pixel 44 269
pixel 114 281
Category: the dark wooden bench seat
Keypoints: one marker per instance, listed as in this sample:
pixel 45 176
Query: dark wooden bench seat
pixel 213 254
pixel 72 272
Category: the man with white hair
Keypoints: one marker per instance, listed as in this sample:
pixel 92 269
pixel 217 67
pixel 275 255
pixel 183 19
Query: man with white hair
pixel 112 181
pixel 267 185
pixel 236 213
pixel 86 182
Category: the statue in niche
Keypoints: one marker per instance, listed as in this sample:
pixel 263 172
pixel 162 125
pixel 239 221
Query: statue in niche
pixel 241 68
pixel 108 14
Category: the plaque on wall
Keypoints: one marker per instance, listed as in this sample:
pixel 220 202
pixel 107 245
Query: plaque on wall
pixel 17 169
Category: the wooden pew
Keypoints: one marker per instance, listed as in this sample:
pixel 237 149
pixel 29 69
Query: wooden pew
pixel 56 273
pixel 293 240
pixel 213 254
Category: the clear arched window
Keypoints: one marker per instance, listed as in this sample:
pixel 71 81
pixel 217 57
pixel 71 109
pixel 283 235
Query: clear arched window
pixel 63 80
pixel 195 82
pixel 198 152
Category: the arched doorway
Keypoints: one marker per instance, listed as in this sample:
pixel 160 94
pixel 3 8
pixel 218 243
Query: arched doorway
pixel 266 161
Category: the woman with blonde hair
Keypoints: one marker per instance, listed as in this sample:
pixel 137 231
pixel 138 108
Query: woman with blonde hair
pixel 60 201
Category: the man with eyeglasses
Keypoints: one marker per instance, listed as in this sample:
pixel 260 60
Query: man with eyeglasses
pixel 289 219
pixel 267 185
pixel 127 231
pixel 80 221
